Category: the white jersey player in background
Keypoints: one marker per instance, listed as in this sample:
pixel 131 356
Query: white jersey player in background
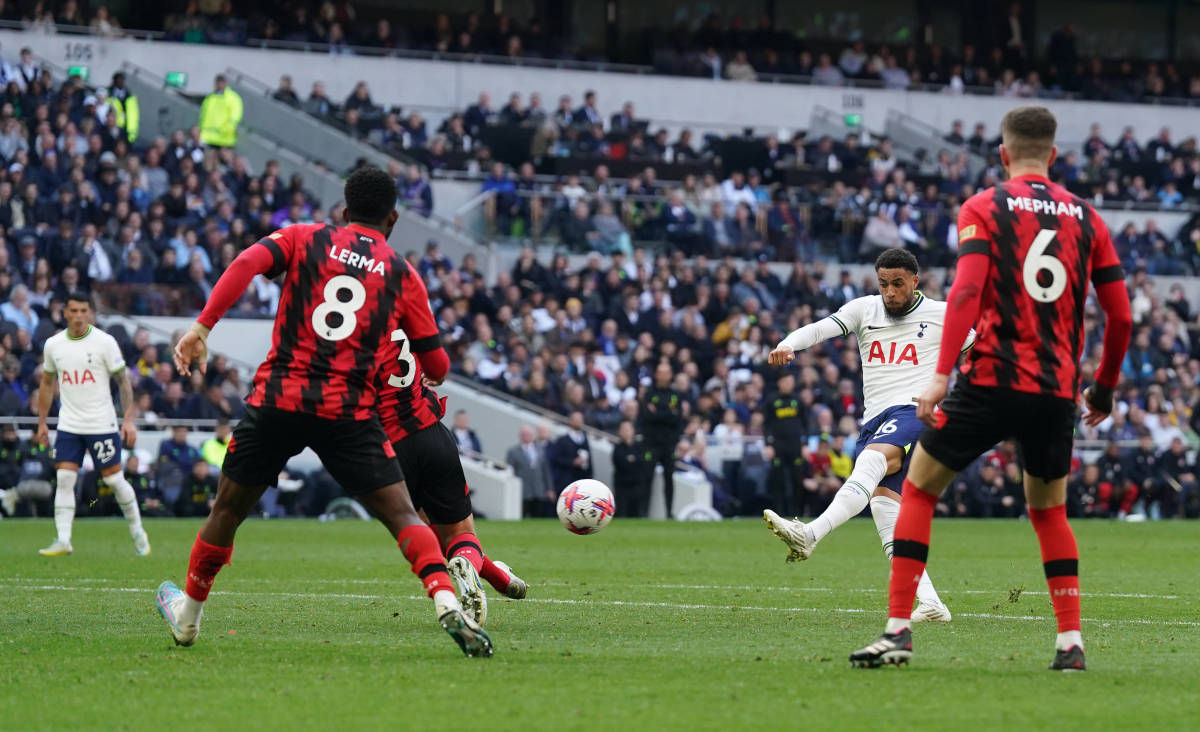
pixel 899 334
pixel 83 359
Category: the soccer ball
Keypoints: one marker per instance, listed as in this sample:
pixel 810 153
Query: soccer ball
pixel 586 506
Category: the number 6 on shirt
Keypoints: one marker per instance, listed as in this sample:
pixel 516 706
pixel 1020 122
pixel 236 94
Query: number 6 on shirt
pixel 1036 261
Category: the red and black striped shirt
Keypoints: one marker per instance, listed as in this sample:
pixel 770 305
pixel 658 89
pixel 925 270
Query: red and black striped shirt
pixel 1045 244
pixel 406 406
pixel 345 292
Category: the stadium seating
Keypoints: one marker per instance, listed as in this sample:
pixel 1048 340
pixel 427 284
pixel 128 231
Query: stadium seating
pixel 564 329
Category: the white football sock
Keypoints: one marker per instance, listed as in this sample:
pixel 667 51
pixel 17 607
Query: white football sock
pixel 1068 638
pixel 189 613
pixel 127 500
pixel 895 625
pixel 885 511
pixel 852 497
pixel 64 504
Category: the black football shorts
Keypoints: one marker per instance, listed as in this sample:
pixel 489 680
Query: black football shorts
pixel 434 474
pixel 356 453
pixel 975 418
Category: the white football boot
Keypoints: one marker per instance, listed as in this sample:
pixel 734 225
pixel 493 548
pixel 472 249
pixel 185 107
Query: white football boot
pixel 929 612
pixel 57 549
pixel 793 533
pixel 141 544
pixel 470 588
pixel 517 587
pixel 170 601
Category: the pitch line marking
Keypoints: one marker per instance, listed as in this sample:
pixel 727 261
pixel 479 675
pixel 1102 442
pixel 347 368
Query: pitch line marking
pixel 872 591
pixel 614 603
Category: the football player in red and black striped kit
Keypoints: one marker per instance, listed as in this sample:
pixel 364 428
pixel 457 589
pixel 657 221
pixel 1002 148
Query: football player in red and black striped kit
pixel 345 292
pixel 1027 250
pixel 411 413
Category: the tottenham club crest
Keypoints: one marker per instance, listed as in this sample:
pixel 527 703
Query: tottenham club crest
pixel 921 332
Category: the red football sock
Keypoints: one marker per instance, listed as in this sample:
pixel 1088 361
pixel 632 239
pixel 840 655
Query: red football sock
pixel 910 548
pixel 493 575
pixel 467 546
pixel 420 547
pixel 1060 559
pixel 203 566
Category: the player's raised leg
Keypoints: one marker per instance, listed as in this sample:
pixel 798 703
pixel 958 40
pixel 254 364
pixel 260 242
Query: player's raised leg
pixel 500 576
pixel 801 538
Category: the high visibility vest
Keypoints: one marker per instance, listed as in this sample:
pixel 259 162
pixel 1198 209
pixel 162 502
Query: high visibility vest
pixel 220 115
pixel 128 114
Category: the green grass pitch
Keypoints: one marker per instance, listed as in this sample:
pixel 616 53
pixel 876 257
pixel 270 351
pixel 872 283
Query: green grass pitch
pixel 644 626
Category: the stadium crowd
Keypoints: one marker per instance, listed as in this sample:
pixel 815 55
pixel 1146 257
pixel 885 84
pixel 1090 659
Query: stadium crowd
pixel 149 230
pixel 1163 172
pixel 736 47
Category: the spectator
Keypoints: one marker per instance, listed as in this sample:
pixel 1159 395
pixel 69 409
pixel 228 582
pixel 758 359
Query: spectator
pixel 220 115
pixel 463 434
pixel 633 468
pixel 587 115
pixel 175 460
pixel 286 93
pixel 661 414
pixel 199 492
pixel 739 69
pixel 17 310
pixel 415 192
pixel 214 448
pixel 317 104
pixel 570 455
pixel 479 115
pixel 826 74
pixel 529 463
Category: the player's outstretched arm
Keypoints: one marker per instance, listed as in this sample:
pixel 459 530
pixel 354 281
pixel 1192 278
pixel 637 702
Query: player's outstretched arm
pixel 805 337
pixel 193 347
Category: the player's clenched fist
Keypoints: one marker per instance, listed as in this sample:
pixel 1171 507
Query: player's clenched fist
pixel 1099 401
pixel 781 356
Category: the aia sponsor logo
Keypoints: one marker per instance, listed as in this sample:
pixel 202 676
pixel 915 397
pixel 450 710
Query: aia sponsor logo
pixel 78 377
pixel 907 354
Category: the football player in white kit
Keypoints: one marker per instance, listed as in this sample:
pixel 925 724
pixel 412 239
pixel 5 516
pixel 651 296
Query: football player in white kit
pixel 899 333
pixel 83 359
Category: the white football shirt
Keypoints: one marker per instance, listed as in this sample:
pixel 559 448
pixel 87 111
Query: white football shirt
pixel 899 355
pixel 84 367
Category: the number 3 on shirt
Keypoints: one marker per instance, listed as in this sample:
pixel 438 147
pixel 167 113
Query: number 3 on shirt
pixel 1037 260
pixel 333 304
pixel 406 358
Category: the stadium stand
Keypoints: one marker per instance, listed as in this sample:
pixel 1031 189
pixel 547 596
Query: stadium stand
pixel 705 271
